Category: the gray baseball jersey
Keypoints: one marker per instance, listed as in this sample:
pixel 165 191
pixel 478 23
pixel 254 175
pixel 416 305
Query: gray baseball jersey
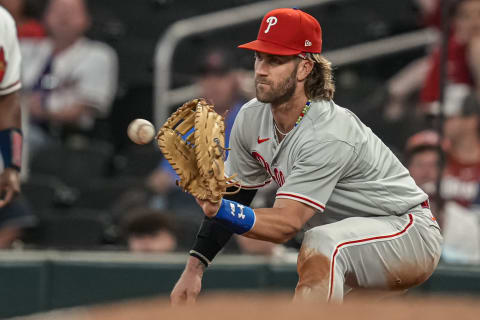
pixel 330 161
pixel 377 230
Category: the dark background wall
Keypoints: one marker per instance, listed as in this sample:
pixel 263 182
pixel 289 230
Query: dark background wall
pixel 33 282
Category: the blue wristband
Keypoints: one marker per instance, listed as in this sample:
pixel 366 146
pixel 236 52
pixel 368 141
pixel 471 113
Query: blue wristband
pixel 11 148
pixel 235 216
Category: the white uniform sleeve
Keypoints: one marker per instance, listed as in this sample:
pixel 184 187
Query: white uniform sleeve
pixel 315 173
pixel 98 78
pixel 250 174
pixel 10 58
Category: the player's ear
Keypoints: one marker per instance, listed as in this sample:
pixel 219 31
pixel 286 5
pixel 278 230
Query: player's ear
pixel 304 69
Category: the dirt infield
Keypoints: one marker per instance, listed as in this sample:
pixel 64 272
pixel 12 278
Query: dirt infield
pixel 278 307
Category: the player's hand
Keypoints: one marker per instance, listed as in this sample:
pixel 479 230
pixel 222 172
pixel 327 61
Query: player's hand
pixel 189 285
pixel 9 186
pixel 209 208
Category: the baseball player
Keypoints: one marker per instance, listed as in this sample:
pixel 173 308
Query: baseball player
pixel 10 126
pixel 369 225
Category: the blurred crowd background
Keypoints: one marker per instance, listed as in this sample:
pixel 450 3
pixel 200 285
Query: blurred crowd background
pixel 91 67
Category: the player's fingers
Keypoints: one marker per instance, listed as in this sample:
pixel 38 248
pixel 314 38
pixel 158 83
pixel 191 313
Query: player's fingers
pixel 177 299
pixel 7 198
pixel 191 298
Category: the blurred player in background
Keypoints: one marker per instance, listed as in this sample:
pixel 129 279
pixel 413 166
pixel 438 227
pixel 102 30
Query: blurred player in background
pixel 373 227
pixel 12 217
pixel 69 79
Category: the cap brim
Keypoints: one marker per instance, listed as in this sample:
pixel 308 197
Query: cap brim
pixel 269 47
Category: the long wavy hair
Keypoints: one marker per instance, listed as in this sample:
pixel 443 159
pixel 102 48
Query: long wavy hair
pixel 319 84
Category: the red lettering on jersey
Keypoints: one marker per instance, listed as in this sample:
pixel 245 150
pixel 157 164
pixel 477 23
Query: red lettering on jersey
pixel 262 161
pixel 277 174
pixel 3 64
pixel 279 177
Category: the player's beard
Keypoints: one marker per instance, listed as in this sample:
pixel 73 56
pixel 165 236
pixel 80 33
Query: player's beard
pixel 277 94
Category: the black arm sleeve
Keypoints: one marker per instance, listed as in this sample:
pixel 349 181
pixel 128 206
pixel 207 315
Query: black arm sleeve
pixel 213 236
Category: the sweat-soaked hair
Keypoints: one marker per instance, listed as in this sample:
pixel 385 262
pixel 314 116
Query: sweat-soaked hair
pixel 319 84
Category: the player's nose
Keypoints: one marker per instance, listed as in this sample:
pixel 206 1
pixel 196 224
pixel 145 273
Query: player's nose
pixel 261 69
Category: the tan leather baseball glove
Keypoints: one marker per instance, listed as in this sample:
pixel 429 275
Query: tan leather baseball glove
pixel 193 142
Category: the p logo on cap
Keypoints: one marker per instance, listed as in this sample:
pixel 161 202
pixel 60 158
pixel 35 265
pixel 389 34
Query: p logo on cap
pixel 287 32
pixel 271 22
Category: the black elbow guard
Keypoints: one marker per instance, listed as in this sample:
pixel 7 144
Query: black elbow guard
pixel 211 238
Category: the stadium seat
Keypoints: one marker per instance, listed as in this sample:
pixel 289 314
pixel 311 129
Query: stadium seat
pixel 81 229
pixel 44 192
pixel 102 194
pixel 73 165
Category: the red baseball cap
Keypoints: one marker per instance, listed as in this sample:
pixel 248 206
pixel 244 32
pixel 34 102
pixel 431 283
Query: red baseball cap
pixel 287 32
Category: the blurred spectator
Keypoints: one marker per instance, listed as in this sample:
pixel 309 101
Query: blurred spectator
pixel 459 213
pixel 431 13
pixel 219 83
pixel 463 65
pixel 69 79
pixel 462 147
pixel 461 183
pixel 403 86
pixel 423 155
pixel 148 230
pixel 25 14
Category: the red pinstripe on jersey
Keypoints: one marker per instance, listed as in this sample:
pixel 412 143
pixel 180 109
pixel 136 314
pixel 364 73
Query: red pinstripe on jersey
pixel 301 198
pixel 257 186
pixel 361 241
pixel 250 187
pixel 10 86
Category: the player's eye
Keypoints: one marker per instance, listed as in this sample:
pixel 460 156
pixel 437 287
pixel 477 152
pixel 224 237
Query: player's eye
pixel 276 60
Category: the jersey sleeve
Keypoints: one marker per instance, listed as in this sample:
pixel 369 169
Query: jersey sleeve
pixel 315 173
pixel 10 58
pixel 240 161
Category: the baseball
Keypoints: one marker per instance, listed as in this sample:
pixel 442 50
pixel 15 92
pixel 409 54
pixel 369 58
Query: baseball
pixel 141 131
